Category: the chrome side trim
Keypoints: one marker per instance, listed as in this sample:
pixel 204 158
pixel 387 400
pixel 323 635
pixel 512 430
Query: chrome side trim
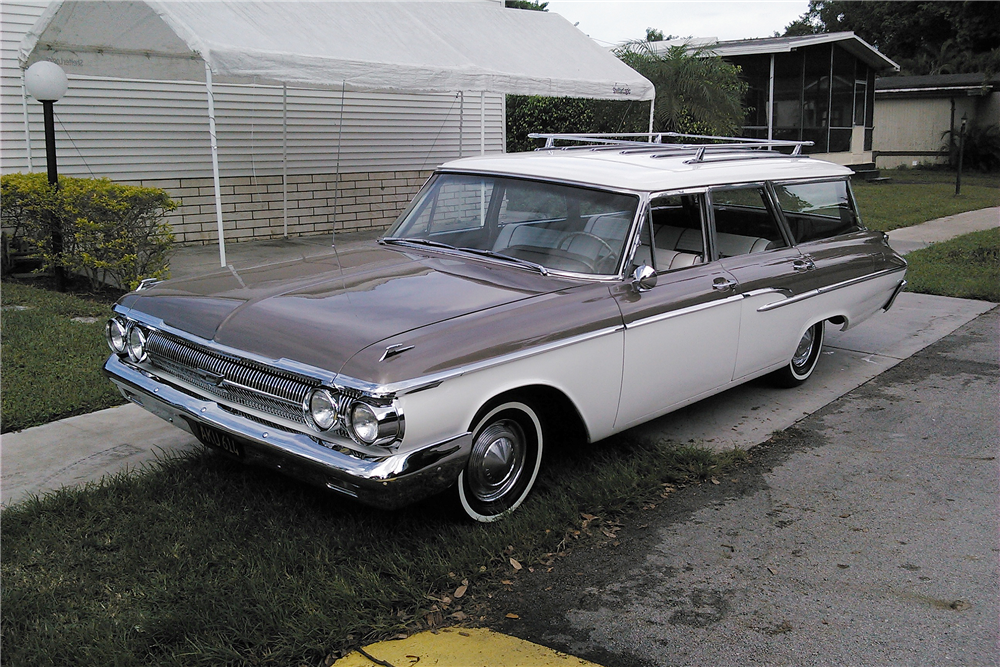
pixel 683 311
pixel 427 381
pixel 829 288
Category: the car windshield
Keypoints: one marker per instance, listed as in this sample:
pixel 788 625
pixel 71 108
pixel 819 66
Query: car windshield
pixel 558 227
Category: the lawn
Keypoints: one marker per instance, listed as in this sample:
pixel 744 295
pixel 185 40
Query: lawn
pixel 51 363
pixel 205 562
pixel 918 195
pixel 967 267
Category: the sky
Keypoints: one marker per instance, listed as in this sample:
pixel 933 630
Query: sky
pixel 611 23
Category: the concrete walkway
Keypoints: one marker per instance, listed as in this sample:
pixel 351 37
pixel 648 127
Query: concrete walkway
pixel 908 239
pixel 86 448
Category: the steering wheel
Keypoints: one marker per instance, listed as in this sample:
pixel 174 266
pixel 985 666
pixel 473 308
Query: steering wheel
pixel 563 245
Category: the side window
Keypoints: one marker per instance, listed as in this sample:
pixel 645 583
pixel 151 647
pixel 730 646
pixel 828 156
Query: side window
pixel 817 211
pixel 743 222
pixel 678 239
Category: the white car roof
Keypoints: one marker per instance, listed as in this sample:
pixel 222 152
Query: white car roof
pixel 640 171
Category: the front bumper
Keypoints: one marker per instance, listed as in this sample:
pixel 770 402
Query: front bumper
pixel 387 482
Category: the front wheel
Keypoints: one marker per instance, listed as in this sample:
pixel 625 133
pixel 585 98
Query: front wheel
pixel 803 361
pixel 506 455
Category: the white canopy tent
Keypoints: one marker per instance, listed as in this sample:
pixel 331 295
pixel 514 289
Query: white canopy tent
pixel 450 46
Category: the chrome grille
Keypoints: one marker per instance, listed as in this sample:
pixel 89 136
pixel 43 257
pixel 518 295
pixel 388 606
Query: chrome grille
pixel 240 381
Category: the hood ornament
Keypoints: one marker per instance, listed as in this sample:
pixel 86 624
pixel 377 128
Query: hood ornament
pixel 394 350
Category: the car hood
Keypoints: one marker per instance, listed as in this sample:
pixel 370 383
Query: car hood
pixel 322 310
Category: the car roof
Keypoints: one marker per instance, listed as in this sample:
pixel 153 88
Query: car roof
pixel 649 170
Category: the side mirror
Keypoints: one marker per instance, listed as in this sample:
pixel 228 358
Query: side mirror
pixel 644 278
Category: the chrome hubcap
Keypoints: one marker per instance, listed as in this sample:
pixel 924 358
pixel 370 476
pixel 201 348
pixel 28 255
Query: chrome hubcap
pixel 497 460
pixel 802 352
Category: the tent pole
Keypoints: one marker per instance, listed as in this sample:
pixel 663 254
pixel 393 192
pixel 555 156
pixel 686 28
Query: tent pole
pixel 482 122
pixel 284 155
pixel 215 162
pixel 27 129
pixel 652 108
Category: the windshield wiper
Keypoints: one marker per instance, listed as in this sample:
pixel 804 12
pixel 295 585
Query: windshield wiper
pixel 507 258
pixel 416 241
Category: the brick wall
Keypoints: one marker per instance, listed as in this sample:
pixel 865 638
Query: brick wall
pixel 252 207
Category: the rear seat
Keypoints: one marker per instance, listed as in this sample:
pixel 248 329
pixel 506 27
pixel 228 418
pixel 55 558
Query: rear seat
pixel 690 241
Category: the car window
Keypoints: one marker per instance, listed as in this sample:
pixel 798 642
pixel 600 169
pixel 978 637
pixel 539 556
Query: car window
pixel 678 237
pixel 744 224
pixel 560 227
pixel 816 211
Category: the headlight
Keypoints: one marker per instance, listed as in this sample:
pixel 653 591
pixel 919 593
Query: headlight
pixel 322 409
pixel 364 423
pixel 116 335
pixel 375 424
pixel 136 344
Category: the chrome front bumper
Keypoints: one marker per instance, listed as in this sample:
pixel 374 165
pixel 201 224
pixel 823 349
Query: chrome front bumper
pixel 387 482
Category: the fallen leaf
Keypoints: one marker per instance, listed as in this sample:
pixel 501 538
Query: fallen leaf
pixel 715 481
pixel 588 517
pixel 772 570
pixel 513 616
pixel 515 564
pixel 506 582
pixel 459 616
pixel 845 516
pixel 460 591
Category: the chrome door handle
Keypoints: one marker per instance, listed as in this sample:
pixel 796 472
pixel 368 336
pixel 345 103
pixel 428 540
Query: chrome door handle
pixel 805 264
pixel 724 284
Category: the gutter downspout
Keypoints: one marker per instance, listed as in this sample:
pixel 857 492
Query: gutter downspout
pixel 27 129
pixel 284 156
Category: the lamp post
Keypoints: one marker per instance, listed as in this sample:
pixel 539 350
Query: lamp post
pixel 46 82
pixel 961 154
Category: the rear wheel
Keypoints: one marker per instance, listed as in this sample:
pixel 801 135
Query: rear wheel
pixel 506 455
pixel 803 361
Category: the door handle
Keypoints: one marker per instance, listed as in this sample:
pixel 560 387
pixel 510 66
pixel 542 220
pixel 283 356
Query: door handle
pixel 804 264
pixel 723 284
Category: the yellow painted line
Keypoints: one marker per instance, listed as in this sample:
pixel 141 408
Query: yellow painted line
pixel 460 647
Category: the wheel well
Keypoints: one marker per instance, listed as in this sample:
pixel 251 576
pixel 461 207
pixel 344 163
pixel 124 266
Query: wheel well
pixel 838 320
pixel 561 421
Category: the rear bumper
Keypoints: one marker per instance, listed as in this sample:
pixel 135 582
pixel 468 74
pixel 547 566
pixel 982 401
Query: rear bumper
pixel 387 482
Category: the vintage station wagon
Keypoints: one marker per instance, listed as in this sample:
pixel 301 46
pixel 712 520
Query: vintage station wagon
pixel 581 289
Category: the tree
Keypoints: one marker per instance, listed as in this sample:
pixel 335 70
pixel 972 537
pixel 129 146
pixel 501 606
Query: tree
pixel 654 35
pixel 526 4
pixel 696 93
pixel 923 37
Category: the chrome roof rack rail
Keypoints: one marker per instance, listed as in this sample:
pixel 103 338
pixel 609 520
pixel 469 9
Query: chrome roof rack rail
pixel 652 142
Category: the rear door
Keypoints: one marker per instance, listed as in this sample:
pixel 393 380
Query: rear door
pixel 751 245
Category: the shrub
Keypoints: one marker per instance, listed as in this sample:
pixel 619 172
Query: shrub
pixel 112 233
pixel 982 147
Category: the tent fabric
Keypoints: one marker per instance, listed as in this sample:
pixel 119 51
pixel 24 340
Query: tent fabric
pixel 461 45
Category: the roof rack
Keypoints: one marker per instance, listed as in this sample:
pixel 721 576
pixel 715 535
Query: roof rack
pixel 631 142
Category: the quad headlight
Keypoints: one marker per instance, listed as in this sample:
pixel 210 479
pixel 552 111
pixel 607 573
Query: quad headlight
pixel 136 344
pixel 365 421
pixel 322 409
pixel 116 334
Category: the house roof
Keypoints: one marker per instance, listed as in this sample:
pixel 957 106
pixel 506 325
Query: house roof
pixel 766 45
pixel 443 46
pixel 936 85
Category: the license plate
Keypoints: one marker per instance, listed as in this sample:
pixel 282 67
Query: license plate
pixel 217 439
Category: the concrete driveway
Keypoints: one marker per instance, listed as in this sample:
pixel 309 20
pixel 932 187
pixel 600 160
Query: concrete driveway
pixel 865 535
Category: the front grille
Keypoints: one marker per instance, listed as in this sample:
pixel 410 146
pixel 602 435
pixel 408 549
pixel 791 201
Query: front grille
pixel 240 381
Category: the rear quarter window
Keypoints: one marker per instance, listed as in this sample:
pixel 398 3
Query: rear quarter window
pixel 816 211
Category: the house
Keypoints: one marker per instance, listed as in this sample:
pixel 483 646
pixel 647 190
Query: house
pixel 817 88
pixel 915 113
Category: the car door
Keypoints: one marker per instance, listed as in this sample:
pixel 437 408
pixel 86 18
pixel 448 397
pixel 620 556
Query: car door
pixel 680 335
pixel 750 244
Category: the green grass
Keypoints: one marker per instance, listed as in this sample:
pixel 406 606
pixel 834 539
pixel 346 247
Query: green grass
pixel 51 364
pixel 918 195
pixel 204 562
pixel 967 267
